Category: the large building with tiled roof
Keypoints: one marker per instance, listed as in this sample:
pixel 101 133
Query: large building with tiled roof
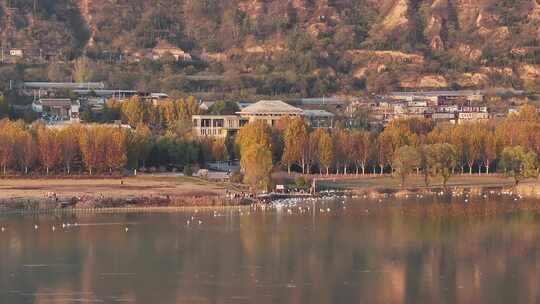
pixel 269 111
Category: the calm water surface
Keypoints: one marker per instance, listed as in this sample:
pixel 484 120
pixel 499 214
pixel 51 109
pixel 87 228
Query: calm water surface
pixel 345 255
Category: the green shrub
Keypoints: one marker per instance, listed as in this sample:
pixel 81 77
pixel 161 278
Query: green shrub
pixel 188 171
pixel 301 182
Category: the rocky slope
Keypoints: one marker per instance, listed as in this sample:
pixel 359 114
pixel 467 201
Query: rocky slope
pixel 354 43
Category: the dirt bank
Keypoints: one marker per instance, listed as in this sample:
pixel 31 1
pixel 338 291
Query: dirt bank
pixel 162 190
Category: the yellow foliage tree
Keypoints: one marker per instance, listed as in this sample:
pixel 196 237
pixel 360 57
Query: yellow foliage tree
pixel 49 147
pixel 255 144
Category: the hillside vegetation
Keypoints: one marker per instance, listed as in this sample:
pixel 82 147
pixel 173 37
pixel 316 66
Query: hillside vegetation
pixel 277 47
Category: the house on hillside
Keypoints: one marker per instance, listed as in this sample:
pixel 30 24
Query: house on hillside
pixel 163 48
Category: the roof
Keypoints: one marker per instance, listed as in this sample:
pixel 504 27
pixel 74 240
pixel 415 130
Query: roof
pixel 55 102
pixel 317 113
pixel 439 93
pixel 211 116
pixel 271 107
pixel 323 101
pixel 64 85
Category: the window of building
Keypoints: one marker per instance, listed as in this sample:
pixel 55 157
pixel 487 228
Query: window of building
pixel 219 123
pixel 206 123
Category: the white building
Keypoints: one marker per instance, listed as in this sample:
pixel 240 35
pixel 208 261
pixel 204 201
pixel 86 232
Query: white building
pixel 54 110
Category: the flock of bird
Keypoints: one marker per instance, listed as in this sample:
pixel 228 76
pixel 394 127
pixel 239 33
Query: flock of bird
pixel 53 227
pixel 310 205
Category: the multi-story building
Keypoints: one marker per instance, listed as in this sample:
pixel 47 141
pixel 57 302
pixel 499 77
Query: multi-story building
pixel 440 97
pixel 269 111
pixel 472 116
pixel 444 116
pixel 217 125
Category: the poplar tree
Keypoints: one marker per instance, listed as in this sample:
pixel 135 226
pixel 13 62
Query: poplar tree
pixel 325 151
pixel 7 144
pixel 89 146
pixel 255 144
pixel 49 147
pixel 69 140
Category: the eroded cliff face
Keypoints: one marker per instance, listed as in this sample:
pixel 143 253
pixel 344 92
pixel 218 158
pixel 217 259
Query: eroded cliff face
pixel 461 41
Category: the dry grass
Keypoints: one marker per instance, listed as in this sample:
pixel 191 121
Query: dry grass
pixel 374 182
pixel 146 185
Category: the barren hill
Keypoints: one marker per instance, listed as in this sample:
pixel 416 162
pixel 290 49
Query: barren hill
pixel 343 45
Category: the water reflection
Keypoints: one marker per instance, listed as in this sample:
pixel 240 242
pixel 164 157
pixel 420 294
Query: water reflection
pixel 352 255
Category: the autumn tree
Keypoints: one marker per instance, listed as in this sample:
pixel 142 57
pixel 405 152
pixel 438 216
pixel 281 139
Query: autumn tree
pixel 518 163
pixel 255 144
pixel 257 132
pixel 306 148
pixel 344 149
pixel 179 111
pixel 459 138
pixel 313 150
pixel 475 144
pixel 28 150
pixel 296 144
pixel 219 150
pixel 528 113
pixel 360 141
pixel 7 144
pixel 325 150
pixel 115 149
pixel 91 149
pixel 423 162
pixel 135 111
pixel 406 160
pixel 139 146
pixel 492 147
pixel 384 150
pixel 49 147
pixel 294 131
pixel 69 144
pixel 257 165
pixel 442 158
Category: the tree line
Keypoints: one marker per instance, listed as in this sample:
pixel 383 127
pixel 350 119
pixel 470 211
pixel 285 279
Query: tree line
pixel 25 148
pixel 510 145
pixel 98 149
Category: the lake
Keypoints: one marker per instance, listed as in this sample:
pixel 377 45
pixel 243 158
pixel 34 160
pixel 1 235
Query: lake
pixel 324 252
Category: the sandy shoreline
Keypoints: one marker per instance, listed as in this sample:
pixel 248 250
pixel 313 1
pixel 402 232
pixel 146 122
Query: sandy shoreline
pixel 168 192
pixel 140 191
